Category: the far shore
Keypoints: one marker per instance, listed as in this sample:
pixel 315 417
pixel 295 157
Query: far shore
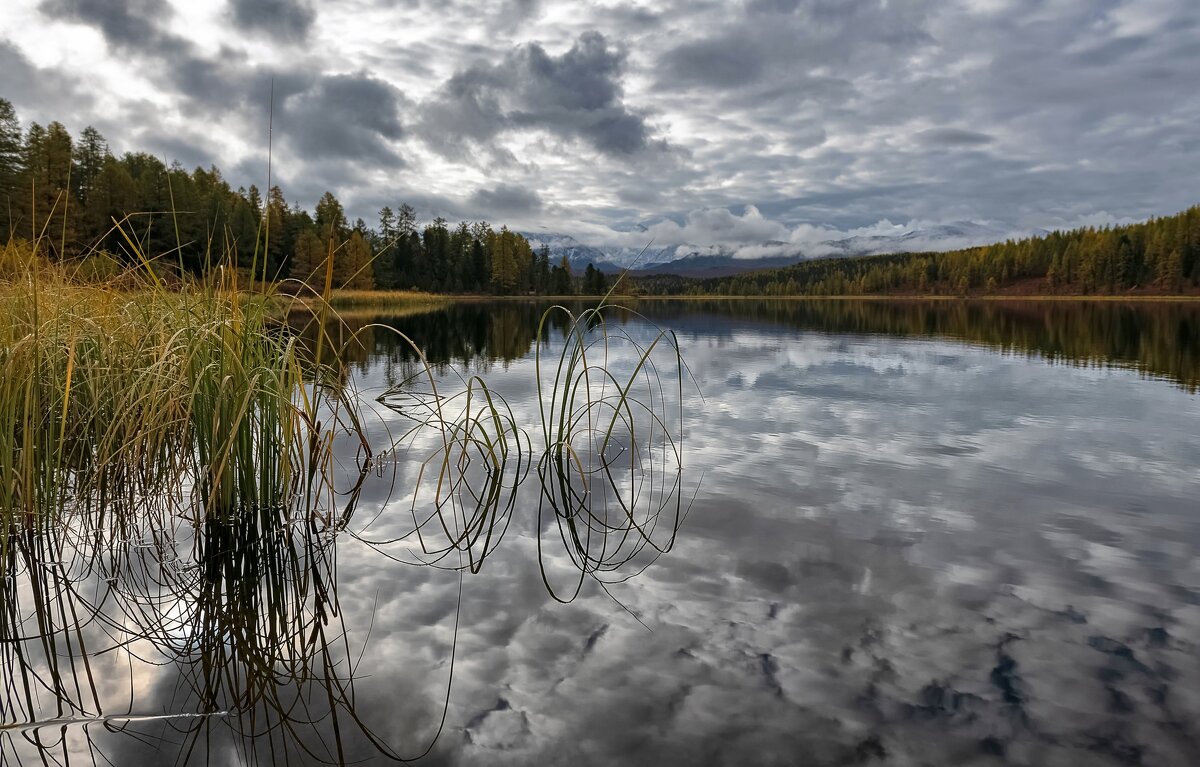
pixel 365 297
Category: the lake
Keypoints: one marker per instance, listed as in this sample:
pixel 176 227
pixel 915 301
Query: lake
pixel 892 532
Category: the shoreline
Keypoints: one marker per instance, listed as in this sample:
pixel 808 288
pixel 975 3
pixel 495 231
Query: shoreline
pixel 434 298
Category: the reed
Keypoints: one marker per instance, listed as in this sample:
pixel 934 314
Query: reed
pixel 138 409
pixel 605 447
pixel 127 389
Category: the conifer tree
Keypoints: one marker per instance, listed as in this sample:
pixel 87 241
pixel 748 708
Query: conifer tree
pixel 308 259
pixel 331 218
pixel 10 169
pixel 352 263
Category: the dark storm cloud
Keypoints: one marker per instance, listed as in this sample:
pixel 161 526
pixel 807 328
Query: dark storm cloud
pixel 280 19
pixel 577 95
pixel 138 28
pixel 355 117
pixel 191 151
pixel 506 199
pixel 122 22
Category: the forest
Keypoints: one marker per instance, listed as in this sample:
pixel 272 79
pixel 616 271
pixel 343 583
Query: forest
pixel 78 200
pixel 1157 257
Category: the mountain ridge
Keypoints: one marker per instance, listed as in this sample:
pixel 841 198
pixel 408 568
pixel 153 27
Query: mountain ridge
pixel 689 260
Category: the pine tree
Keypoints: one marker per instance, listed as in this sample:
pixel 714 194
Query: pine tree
pixel 10 170
pixel 331 219
pixel 275 233
pixel 504 263
pixel 436 243
pixel 352 264
pixel 254 197
pixel 594 283
pixel 542 270
pixel 90 153
pixel 561 283
pixel 387 225
pixel 405 252
pixel 113 195
pixel 242 233
pixel 47 169
pixel 308 259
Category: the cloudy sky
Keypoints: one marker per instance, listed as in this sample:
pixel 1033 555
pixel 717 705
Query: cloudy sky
pixel 706 122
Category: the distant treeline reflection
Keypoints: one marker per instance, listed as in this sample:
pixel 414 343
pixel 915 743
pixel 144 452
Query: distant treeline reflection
pixel 1157 339
pixel 470 336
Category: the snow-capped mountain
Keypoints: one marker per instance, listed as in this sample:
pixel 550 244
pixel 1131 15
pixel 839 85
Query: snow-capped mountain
pixel 578 254
pixel 714 260
pixel 962 234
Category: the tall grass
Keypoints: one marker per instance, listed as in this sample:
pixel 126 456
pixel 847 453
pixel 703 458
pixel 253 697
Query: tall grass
pixel 128 389
pixel 136 413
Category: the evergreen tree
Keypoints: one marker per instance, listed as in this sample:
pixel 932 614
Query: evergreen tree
pixel 387 225
pixel 436 246
pixel 47 165
pixel 561 283
pixel 406 251
pixel 275 233
pixel 542 270
pixel 461 242
pixel 90 153
pixel 352 263
pixel 594 282
pixel 113 196
pixel 308 259
pixel 242 233
pixel 480 267
pixel 331 218
pixel 11 146
pixel 504 262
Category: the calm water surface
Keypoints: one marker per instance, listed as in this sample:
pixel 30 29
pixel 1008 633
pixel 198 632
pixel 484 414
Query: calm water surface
pixel 923 534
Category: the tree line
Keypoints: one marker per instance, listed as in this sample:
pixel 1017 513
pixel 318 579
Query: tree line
pixel 75 198
pixel 1159 256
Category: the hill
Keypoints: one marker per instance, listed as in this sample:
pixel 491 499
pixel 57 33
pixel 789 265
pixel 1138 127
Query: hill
pixel 1159 256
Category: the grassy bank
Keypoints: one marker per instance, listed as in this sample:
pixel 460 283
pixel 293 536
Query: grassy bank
pixel 366 299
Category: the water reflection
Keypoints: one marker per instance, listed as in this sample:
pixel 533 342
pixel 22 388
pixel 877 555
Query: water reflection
pixel 176 637
pixel 906 549
pixel 234 607
pixel 1157 338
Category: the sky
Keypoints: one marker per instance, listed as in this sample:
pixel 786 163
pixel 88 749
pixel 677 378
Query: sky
pixel 682 121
